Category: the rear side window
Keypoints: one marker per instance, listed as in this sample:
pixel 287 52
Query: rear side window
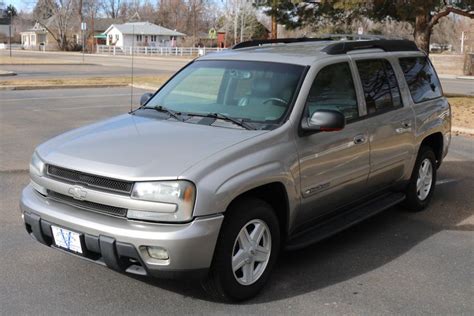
pixel 421 79
pixel 333 89
pixel 380 85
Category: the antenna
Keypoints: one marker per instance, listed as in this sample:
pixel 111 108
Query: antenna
pixel 131 79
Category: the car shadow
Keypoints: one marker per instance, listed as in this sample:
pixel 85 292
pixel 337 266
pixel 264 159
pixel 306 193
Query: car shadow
pixel 364 247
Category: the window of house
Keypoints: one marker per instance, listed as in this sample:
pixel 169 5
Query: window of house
pixel 421 78
pixel 153 38
pixel 117 37
pixel 139 38
pixel 379 84
pixel 333 89
pixel 110 38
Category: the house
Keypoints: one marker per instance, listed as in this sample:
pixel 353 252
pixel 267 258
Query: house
pixel 35 37
pixel 141 34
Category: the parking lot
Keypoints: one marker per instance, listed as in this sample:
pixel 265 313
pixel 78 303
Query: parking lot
pixel 394 263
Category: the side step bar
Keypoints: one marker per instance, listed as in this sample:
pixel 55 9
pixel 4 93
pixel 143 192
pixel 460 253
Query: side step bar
pixel 344 220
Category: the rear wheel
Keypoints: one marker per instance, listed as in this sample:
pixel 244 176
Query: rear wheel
pixel 423 180
pixel 246 251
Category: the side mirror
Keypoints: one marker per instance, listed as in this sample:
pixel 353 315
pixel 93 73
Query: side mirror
pixel 324 121
pixel 145 98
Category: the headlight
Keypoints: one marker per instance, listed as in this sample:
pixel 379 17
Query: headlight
pixel 36 165
pixel 181 194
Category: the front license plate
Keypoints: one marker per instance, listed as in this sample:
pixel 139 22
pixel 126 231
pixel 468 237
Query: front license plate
pixel 67 239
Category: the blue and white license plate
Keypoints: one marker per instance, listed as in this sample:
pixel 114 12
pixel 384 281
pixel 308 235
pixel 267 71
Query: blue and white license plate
pixel 67 239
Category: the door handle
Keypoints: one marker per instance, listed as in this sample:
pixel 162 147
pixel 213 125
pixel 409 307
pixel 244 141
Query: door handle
pixel 359 139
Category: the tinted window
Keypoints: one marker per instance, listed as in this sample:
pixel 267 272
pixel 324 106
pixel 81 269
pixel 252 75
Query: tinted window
pixel 333 89
pixel 380 85
pixel 421 79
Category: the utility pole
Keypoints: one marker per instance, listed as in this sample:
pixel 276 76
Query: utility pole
pixel 462 42
pixel 10 12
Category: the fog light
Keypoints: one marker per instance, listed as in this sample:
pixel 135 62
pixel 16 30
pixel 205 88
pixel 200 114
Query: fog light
pixel 157 253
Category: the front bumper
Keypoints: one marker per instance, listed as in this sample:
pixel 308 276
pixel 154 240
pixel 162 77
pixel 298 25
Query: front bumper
pixel 119 243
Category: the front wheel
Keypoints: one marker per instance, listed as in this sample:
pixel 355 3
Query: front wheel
pixel 423 180
pixel 246 251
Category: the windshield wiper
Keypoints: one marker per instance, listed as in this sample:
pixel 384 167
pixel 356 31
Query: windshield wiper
pixel 224 117
pixel 172 113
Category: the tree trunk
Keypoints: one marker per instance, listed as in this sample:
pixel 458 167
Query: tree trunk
pixel 422 32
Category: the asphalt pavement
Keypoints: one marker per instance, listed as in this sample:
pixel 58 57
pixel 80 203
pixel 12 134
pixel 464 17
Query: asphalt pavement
pixel 394 263
pixel 107 66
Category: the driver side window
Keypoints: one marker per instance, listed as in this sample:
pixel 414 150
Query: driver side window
pixel 333 89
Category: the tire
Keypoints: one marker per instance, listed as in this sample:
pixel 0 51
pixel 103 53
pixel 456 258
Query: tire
pixel 418 199
pixel 256 216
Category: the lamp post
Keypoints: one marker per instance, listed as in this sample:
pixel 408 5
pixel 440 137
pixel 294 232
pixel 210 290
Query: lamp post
pixel 10 13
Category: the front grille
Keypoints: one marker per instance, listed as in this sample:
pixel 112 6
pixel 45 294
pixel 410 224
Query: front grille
pixel 90 206
pixel 77 177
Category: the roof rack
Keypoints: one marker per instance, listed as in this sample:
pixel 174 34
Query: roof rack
pixel 253 43
pixel 343 44
pixel 388 45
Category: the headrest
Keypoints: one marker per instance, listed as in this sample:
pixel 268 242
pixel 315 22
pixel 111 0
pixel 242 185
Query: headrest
pixel 261 86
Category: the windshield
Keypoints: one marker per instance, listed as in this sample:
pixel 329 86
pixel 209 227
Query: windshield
pixel 256 92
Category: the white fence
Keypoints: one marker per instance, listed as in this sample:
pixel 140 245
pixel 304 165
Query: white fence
pixel 156 51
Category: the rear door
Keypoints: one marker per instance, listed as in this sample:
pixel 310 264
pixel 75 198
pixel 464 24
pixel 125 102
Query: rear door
pixel 334 166
pixel 390 122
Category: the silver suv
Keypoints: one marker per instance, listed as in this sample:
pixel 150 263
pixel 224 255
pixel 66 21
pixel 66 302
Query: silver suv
pixel 270 145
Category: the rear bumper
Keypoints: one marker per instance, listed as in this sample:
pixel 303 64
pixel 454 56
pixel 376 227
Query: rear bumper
pixel 120 243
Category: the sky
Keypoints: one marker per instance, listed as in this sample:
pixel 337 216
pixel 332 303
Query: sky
pixel 20 4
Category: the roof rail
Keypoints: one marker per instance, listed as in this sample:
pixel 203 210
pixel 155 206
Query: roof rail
pixel 388 45
pixel 343 43
pixel 253 43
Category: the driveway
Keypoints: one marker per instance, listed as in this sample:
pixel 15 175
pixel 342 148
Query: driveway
pixel 394 263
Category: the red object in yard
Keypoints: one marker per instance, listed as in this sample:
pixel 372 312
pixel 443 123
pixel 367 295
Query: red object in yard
pixel 221 39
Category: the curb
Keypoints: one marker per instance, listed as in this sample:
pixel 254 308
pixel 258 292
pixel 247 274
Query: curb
pixel 7 73
pixel 10 88
pixel 145 87
pixel 463 130
pixel 466 77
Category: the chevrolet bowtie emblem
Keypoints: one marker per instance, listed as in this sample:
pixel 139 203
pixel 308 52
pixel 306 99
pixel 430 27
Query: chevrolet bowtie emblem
pixel 78 192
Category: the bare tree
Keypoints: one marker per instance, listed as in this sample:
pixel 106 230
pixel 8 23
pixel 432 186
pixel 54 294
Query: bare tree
pixel 111 8
pixel 58 17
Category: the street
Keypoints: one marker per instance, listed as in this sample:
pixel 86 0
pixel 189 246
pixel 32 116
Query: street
pixel 107 66
pixel 394 263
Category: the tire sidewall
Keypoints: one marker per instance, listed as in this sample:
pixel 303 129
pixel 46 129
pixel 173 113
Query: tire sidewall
pixel 234 220
pixel 414 201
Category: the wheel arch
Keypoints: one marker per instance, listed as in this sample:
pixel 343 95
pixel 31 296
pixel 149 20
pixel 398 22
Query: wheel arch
pixel 436 142
pixel 276 195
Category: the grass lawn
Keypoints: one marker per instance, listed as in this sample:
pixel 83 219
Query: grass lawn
pixel 463 111
pixel 154 81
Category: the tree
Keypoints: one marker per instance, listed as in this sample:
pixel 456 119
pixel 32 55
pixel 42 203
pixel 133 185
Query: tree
pixel 111 8
pixel 11 11
pixel 423 15
pixel 57 17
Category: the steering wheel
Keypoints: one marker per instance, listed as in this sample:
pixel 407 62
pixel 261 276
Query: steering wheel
pixel 281 102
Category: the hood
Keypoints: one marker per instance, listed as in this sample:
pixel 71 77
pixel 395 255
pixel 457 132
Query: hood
pixel 136 148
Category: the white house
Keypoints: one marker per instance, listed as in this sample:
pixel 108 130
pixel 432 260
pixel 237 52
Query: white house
pixel 32 38
pixel 141 34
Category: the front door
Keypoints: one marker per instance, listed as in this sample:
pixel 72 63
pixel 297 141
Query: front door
pixel 334 166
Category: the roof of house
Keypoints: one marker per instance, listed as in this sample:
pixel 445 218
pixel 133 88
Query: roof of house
pixel 144 28
pixel 37 28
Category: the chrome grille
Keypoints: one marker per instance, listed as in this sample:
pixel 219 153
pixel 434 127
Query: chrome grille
pixel 87 205
pixel 77 177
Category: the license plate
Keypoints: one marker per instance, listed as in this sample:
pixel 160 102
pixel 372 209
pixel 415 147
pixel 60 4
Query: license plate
pixel 67 239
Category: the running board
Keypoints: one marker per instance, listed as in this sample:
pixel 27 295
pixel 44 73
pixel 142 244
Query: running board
pixel 338 223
